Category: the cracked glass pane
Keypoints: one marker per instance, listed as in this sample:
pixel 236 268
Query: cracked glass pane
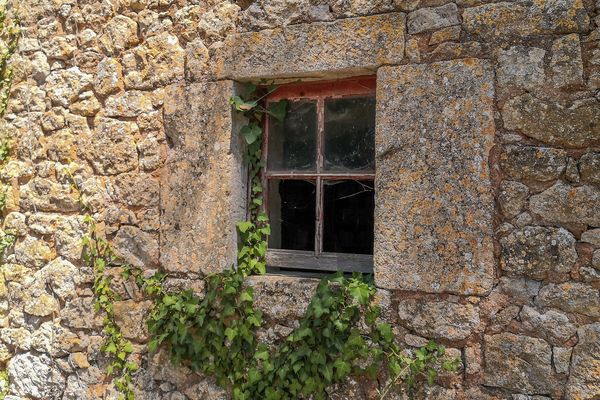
pixel 293 142
pixel 350 134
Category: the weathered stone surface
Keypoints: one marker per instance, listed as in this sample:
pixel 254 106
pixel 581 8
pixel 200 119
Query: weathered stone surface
pixel 563 203
pixel 574 127
pixel 131 317
pixel 137 247
pixel 65 85
pixel 571 297
pixel 62 276
pixel 136 190
pixel 535 163
pixel 426 19
pixel 506 20
pixel 32 252
pixel 519 363
pixel 283 299
pixel 353 44
pixel 512 198
pixel 438 319
pixel 589 167
pixel 46 195
pixel 521 67
pixel 41 305
pixel 35 376
pixel 437 236
pixel 109 77
pixel 79 314
pixel 552 325
pixel 538 252
pixel 128 104
pixel 566 63
pixel 219 21
pixel 592 237
pixel 111 147
pixel 203 172
pixel 68 238
pixel 119 34
pixel 583 381
pixel 451 33
pixel 562 359
pixel 159 61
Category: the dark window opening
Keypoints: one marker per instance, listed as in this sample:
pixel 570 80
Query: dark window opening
pixel 320 176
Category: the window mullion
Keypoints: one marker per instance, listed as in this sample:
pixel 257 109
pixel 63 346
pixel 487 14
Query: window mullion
pixel 319 194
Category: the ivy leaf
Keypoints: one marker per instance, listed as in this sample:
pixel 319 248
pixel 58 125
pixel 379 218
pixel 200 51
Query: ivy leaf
pixel 251 133
pixel 342 368
pixel 241 105
pixel 230 333
pixel 244 226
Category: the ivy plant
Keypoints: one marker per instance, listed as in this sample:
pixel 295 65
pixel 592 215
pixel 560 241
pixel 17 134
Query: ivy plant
pixel 340 334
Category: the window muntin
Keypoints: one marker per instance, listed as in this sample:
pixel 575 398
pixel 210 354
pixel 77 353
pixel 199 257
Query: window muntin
pixel 320 160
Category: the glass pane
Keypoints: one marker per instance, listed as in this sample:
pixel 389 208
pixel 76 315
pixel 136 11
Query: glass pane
pixel 350 134
pixel 293 142
pixel 348 217
pixel 292 214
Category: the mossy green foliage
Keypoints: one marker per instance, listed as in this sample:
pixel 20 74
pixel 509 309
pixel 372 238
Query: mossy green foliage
pixel 9 38
pixel 340 334
pixel 3 384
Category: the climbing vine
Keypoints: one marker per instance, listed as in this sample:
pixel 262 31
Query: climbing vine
pixel 9 37
pixel 339 335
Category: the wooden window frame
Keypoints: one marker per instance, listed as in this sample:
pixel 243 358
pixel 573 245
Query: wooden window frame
pixel 317 260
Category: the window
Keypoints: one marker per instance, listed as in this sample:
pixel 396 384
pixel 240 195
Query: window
pixel 319 177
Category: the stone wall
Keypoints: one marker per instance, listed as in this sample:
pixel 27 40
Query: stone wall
pixel 488 179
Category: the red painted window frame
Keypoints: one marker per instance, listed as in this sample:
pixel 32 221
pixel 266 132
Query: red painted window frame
pixel 317 259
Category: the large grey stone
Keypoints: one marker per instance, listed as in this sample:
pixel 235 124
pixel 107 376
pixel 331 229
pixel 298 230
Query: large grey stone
pixel 538 252
pixel 566 204
pixel 111 147
pixel 203 171
pixel 512 198
pixel 566 63
pixel 426 19
pixel 136 247
pixel 584 382
pixel 553 326
pixel 434 208
pixel 549 122
pixel 536 163
pixel 521 67
pixel 348 45
pixel 572 297
pixel 518 363
pixel 589 167
pixel 438 319
pixel 592 237
pixel 35 376
pixel 282 299
pixel 515 20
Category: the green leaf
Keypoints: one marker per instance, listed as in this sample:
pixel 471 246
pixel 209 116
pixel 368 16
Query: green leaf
pixel 251 133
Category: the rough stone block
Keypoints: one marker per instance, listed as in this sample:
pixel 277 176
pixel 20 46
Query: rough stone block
pixel 552 325
pixel 131 317
pixel 566 63
pixel 518 363
pixel 535 163
pixel 521 67
pixel 505 20
pixel 434 206
pixel 538 252
pixel 574 127
pixel 426 19
pixel 566 204
pixel 512 198
pixel 348 45
pixel 571 297
pixel 589 167
pixel 202 190
pixel 583 381
pixel 438 319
